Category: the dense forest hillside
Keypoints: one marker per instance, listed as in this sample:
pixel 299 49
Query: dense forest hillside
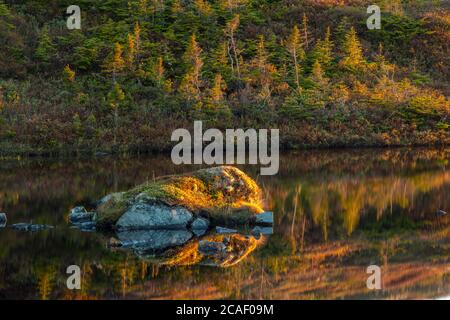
pixel 139 69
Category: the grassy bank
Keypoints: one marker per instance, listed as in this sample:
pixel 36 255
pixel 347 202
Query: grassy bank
pixel 291 138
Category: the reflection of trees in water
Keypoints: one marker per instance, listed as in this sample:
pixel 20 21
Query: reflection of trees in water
pixel 45 284
pixel 126 272
pixel 340 203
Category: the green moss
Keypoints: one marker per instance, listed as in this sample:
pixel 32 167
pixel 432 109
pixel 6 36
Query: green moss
pixel 110 211
pixel 154 190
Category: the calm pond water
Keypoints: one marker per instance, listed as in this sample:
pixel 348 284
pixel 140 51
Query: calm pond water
pixel 336 213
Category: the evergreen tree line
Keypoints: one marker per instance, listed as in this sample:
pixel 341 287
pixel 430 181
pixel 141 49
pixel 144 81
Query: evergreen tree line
pixel 225 62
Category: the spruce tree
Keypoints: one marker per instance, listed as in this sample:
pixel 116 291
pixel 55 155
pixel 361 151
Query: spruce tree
pixel 45 50
pixel 69 74
pixel 217 91
pixel 191 82
pixel 115 63
pixel 232 5
pixel 294 46
pixel 203 7
pixel 217 106
pixel 318 75
pixel 265 71
pixel 219 61
pixel 353 58
pixel 115 97
pixel 323 51
pixel 177 7
pixel 305 30
pixel 159 71
pixel 131 52
pixel 137 35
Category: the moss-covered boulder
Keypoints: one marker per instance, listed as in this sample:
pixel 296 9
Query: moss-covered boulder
pixel 223 195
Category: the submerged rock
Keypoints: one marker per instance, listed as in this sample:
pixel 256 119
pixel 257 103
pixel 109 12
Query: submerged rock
pixel 101 154
pixel 199 232
pixel 82 219
pixel 222 195
pixel 222 230
pixel 3 219
pixel 200 224
pixel 153 239
pixel 211 248
pixel 87 226
pixel 154 216
pixel 31 227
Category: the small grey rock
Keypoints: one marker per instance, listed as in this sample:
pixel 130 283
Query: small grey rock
pixel 101 154
pixel 39 227
pixel 200 224
pixel 78 211
pixel 264 218
pixel 87 226
pixel 31 227
pixel 211 248
pixel 21 226
pixel 222 230
pixel 3 220
pixel 79 215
